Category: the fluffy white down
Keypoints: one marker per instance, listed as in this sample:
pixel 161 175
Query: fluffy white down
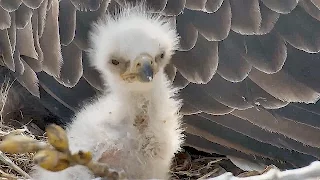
pixel 108 123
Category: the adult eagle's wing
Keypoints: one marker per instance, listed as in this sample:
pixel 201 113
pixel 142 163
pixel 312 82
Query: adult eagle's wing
pixel 247 69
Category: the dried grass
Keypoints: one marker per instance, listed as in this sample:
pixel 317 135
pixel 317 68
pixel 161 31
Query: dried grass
pixel 193 164
pixel 17 165
pixel 13 166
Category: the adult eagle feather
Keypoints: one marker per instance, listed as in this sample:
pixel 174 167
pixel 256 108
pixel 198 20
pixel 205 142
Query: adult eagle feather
pixel 247 70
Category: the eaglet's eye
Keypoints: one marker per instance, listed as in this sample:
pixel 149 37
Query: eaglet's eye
pixel 114 62
pixel 162 55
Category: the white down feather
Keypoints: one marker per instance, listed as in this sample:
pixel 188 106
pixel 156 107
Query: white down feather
pixel 145 149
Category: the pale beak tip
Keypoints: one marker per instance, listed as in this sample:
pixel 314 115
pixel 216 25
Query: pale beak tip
pixel 146 73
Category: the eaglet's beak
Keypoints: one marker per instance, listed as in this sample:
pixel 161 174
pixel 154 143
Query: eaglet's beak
pixel 142 69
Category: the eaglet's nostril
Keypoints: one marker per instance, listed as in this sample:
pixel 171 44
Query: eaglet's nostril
pixel 138 65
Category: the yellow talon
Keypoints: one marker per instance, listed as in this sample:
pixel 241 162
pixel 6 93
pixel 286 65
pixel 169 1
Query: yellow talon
pixel 57 158
pixel 53 160
pixel 82 158
pixel 20 144
pixel 57 137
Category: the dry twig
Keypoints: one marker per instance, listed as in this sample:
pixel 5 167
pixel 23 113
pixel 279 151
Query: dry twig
pixel 186 166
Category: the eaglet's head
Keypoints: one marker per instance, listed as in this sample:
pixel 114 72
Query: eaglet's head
pixel 132 48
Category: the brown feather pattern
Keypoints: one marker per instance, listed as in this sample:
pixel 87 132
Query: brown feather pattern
pixel 242 64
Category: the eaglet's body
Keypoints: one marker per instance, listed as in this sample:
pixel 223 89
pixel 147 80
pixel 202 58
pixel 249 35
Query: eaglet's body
pixel 139 134
pixel 135 126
